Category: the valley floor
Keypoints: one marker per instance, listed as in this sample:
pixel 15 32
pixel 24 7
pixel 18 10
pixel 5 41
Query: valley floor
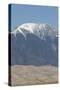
pixel 30 75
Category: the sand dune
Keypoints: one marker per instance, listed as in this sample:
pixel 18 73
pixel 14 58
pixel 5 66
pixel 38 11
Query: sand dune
pixel 30 75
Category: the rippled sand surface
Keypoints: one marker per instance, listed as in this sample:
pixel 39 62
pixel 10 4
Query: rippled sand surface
pixel 32 75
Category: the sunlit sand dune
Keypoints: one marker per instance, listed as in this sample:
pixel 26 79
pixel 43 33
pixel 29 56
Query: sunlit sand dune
pixel 30 75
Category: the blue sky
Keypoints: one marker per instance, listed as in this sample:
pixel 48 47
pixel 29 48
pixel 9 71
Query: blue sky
pixel 33 14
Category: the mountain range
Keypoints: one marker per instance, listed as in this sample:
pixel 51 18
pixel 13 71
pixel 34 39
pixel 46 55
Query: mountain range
pixel 34 44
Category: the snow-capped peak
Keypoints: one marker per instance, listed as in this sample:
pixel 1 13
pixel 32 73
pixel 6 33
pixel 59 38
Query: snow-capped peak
pixel 40 30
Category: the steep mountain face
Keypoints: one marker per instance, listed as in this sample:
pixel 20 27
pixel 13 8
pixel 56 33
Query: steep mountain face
pixel 34 44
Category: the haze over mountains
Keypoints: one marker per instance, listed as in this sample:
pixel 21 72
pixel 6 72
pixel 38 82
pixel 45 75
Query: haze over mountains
pixel 34 44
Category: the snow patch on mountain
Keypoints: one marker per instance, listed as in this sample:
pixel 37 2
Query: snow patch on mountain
pixel 40 30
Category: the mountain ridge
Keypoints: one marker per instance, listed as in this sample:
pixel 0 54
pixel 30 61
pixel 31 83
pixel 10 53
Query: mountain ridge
pixel 39 30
